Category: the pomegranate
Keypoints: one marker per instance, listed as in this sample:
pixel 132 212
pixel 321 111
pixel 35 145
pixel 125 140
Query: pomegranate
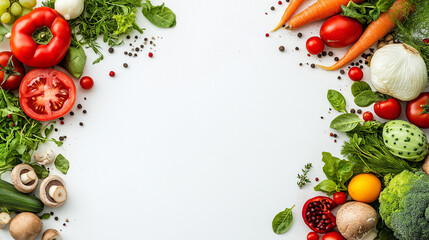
pixel 317 214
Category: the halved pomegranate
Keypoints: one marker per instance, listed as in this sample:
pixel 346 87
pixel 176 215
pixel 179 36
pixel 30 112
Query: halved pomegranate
pixel 317 214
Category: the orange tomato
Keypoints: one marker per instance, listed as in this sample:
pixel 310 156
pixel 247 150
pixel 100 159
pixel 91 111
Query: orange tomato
pixel 364 187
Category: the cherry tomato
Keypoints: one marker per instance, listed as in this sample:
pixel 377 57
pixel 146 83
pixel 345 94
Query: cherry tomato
pixel 315 45
pixel 14 71
pixel 333 236
pixel 312 236
pixel 367 116
pixel 340 198
pixel 355 74
pixel 418 111
pixel 390 109
pixel 86 82
pixel 46 94
pixel 339 31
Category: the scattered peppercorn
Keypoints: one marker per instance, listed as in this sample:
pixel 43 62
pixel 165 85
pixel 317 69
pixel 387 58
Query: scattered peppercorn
pixel 297 48
pixel 125 53
pixel 79 106
pixel 61 118
pixel 67 220
pixel 128 37
pixel 56 218
pixel 335 140
pixel 81 124
pixel 313 65
pixel 319 55
pixel 136 37
pixel 135 54
pixel 352 64
pixel 342 72
pixel 352 110
pixel 56 129
pixel 336 59
pixel 111 50
pixel 272 8
pixel 71 113
pixel 125 65
pixel 84 111
pixel 137 49
pixel 64 224
pixel 324 53
pixel 145 39
pixel 321 117
pixel 300 64
pixel 52 213
pixel 84 98
pixel 61 138
pixel 335 135
pixel 130 54
pixel 112 73
pixel 339 77
pixel 330 53
pixel 299 35
pixel 361 67
pixel 360 61
pixel 281 48
pixel 359 111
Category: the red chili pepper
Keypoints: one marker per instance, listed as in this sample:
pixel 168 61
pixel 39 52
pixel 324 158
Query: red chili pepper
pixel 40 38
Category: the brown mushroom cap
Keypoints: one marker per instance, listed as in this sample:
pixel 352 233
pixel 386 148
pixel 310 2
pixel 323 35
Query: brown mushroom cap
pixel 425 166
pixel 16 178
pixel 51 234
pixel 356 219
pixel 25 226
pixel 53 180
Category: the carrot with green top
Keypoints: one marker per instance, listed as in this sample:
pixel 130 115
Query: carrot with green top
pixel 319 10
pixel 290 10
pixel 375 31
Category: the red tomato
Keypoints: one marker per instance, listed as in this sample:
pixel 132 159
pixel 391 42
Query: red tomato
pixel 367 116
pixel 86 83
pixel 315 45
pixel 312 236
pixel 339 31
pixel 46 94
pixel 14 71
pixel 340 198
pixel 333 236
pixel 418 111
pixel 355 74
pixel 390 109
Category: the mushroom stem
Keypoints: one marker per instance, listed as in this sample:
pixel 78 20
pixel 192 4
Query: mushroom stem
pixel 28 177
pixel 58 193
pixel 4 219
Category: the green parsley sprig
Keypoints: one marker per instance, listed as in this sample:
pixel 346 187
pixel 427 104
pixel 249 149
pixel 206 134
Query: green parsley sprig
pixel 302 178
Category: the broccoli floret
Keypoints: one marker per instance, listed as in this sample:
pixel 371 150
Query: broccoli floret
pixel 404 205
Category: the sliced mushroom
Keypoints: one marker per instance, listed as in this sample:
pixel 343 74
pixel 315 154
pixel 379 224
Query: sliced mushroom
pixel 51 234
pixel 25 226
pixel 4 219
pixel 52 191
pixel 45 158
pixel 356 219
pixel 24 178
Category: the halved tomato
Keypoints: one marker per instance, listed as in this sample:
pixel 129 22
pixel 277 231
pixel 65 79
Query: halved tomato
pixel 46 94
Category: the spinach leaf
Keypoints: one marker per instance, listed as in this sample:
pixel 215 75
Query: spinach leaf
pixel 345 122
pixel 283 221
pixel 160 16
pixel 358 87
pixel 62 164
pixel 40 171
pixel 368 97
pixel 368 11
pixel 337 171
pixel 337 100
pixel 74 61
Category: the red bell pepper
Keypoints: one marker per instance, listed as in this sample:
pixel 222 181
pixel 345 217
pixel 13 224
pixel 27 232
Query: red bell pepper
pixel 40 38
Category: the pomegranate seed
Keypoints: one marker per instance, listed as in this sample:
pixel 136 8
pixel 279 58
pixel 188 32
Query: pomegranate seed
pixel 62 122
pixel 317 179
pixel 13 124
pixel 426 40
pixel 280 2
pixel 267 34
pixel 150 54
pixel 112 73
pixel 9 116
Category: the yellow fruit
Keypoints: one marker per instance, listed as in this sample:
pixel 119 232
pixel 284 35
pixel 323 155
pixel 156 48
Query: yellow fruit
pixel 364 187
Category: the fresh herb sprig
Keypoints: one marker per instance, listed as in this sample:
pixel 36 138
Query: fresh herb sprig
pixel 20 135
pixel 368 11
pixel 302 178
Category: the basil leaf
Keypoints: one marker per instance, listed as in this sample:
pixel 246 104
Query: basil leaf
pixel 283 221
pixel 41 171
pixel 62 164
pixel 159 16
pixel 356 11
pixel 327 186
pixel 74 61
pixel 345 122
pixel 337 100
pixel 365 98
pixel 358 87
pixel 384 5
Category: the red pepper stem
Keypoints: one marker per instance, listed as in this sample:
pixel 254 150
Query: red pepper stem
pixel 42 36
pixel 8 70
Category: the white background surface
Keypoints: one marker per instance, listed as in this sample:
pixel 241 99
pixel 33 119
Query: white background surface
pixel 205 140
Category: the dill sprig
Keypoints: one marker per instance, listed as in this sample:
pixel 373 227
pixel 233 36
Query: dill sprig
pixel 415 28
pixel 302 178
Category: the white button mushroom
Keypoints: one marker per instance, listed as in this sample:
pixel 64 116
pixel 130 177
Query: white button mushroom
pixel 45 158
pixel 51 234
pixel 4 219
pixel 24 178
pixel 25 226
pixel 356 219
pixel 52 191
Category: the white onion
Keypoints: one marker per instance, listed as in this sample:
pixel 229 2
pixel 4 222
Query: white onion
pixel 399 71
pixel 69 9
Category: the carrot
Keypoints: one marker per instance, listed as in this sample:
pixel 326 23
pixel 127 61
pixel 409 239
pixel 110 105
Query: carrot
pixel 319 10
pixel 375 30
pixel 291 9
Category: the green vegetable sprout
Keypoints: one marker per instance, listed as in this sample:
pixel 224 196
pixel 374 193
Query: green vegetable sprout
pixel 303 179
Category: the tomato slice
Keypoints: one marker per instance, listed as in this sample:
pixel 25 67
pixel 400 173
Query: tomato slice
pixel 47 94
